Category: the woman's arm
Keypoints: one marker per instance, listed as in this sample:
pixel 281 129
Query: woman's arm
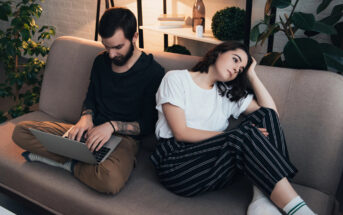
pixel 263 97
pixel 177 122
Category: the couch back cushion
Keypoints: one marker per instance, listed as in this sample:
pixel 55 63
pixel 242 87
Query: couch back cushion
pixel 310 104
pixel 66 77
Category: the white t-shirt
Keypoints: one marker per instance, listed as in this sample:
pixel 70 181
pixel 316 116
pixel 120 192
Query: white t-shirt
pixel 204 109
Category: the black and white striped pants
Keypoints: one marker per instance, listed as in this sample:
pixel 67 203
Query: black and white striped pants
pixel 189 169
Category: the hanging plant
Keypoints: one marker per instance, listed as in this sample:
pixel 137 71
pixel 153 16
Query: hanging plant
pixel 19 54
pixel 301 53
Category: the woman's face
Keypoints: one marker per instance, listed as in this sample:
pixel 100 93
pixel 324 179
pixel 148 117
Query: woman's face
pixel 229 64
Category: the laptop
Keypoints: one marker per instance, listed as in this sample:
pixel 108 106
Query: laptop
pixel 64 146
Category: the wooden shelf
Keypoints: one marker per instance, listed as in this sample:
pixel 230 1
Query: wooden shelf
pixel 184 32
pixel 208 37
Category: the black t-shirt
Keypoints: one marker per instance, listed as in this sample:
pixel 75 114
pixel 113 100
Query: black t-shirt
pixel 128 96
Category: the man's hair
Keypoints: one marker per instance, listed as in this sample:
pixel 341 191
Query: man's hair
pixel 117 18
pixel 237 88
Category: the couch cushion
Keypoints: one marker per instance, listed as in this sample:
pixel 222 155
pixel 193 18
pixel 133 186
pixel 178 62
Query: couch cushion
pixel 66 77
pixel 53 187
pixel 313 126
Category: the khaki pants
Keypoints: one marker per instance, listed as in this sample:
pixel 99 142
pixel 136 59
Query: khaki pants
pixel 107 177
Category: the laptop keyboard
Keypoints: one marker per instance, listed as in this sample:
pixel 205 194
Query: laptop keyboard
pixel 99 155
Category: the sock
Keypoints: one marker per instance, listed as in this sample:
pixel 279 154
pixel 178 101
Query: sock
pixel 297 206
pixel 29 156
pixel 261 205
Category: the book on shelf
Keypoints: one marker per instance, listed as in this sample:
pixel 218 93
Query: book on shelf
pixel 171 17
pixel 171 21
pixel 171 24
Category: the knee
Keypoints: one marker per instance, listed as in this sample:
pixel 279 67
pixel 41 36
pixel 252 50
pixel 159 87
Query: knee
pixel 110 182
pixel 20 130
pixel 268 111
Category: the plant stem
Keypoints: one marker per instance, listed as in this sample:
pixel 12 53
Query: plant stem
pixel 285 29
pixel 16 69
pixel 290 16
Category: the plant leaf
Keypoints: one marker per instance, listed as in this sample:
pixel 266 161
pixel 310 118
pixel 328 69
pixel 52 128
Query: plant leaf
pixel 337 39
pixel 272 59
pixel 304 53
pixel 255 32
pixel 335 16
pixel 333 57
pixel 334 63
pixel 25 34
pixel 281 3
pixel 268 7
pixel 323 5
pixel 5 10
pixel 272 29
pixel 303 20
pixel 324 28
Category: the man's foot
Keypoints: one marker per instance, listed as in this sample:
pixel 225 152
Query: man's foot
pixel 30 157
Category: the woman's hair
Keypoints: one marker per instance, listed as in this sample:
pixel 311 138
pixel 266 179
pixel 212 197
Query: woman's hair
pixel 237 88
pixel 117 18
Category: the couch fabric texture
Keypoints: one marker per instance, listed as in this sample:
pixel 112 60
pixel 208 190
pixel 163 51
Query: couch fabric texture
pixel 310 105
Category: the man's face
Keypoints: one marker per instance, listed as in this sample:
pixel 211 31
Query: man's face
pixel 119 48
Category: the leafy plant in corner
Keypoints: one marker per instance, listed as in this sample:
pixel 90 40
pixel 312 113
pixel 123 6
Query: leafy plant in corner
pixel 19 54
pixel 303 52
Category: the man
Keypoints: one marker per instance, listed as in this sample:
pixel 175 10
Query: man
pixel 120 100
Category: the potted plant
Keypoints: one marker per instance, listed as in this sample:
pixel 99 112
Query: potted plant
pixel 178 49
pixel 228 24
pixel 21 54
pixel 301 52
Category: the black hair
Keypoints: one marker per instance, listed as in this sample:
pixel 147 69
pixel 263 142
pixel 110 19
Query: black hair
pixel 237 88
pixel 118 18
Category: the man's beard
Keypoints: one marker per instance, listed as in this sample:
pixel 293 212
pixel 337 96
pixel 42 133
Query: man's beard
pixel 121 60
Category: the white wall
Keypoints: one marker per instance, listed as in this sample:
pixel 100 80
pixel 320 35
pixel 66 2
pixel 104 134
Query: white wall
pixel 77 18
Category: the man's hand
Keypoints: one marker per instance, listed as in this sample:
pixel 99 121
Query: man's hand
pixel 84 124
pixel 98 136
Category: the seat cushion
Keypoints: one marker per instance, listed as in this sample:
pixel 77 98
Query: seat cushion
pixel 53 188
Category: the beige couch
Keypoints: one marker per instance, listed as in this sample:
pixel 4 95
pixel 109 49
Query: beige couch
pixel 310 105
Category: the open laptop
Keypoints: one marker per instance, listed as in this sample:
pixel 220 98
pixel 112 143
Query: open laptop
pixel 64 146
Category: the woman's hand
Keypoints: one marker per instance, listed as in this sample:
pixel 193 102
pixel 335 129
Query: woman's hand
pixel 98 136
pixel 84 124
pixel 251 70
pixel 263 131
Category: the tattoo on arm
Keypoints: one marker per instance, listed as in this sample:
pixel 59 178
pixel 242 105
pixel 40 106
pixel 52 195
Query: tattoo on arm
pixel 129 128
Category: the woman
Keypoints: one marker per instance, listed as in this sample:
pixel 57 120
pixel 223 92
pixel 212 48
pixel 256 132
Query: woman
pixel 196 154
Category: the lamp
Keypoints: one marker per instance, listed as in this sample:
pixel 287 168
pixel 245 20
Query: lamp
pixel 97 15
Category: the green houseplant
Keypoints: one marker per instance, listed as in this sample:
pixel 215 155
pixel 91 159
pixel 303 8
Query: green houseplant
pixel 228 24
pixel 20 53
pixel 301 52
pixel 178 49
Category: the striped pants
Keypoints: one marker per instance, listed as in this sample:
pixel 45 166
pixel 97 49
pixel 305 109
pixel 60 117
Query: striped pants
pixel 188 169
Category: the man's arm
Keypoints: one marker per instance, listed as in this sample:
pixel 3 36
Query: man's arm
pixel 85 122
pixel 89 102
pixel 127 128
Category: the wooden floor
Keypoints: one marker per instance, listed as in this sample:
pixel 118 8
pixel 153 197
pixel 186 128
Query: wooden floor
pixel 19 205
